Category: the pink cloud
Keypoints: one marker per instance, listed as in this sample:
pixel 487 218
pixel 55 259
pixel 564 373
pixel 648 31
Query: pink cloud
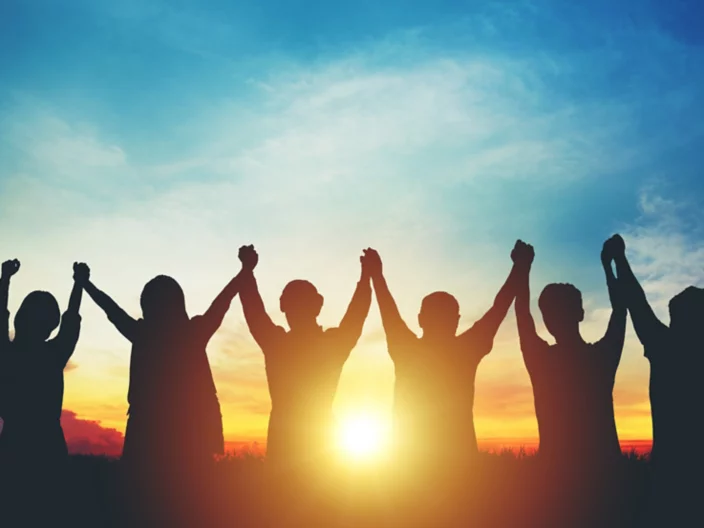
pixel 88 437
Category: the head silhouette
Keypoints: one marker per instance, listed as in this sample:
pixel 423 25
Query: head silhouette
pixel 687 311
pixel 439 315
pixel 162 300
pixel 561 305
pixel 37 317
pixel 301 303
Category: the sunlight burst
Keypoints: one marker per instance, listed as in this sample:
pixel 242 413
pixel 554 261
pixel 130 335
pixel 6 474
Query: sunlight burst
pixel 362 437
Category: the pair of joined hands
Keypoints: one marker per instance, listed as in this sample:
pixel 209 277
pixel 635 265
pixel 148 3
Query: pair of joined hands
pixel 81 271
pixel 523 254
pixel 370 260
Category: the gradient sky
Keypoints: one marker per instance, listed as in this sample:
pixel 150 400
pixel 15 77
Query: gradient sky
pixel 147 137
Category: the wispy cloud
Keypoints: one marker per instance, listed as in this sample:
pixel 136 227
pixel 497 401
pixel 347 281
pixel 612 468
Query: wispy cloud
pixel 666 246
pixel 437 144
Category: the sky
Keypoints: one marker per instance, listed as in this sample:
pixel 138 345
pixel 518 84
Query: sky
pixel 148 137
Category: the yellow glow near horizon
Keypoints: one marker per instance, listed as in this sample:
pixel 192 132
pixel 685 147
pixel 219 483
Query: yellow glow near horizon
pixel 362 437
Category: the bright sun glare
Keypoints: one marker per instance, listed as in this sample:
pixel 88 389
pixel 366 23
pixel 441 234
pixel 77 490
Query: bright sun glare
pixel 362 437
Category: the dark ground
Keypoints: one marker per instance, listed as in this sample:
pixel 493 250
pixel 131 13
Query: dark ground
pixel 502 489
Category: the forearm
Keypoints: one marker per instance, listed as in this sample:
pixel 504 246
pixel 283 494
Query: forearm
pixel 507 293
pixel 614 287
pixel 390 314
pixel 628 279
pixel 524 319
pixel 228 293
pixel 113 311
pixel 362 297
pixel 359 306
pixel 74 303
pixel 4 293
pixel 255 314
pixel 645 322
pixel 100 298
pixel 4 314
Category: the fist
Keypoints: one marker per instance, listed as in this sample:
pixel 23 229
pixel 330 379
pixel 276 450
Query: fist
pixel 522 253
pixel 81 272
pixel 371 263
pixel 248 257
pixel 10 267
pixel 613 248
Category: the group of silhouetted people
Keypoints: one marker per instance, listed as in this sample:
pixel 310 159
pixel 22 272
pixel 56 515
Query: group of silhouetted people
pixel 174 421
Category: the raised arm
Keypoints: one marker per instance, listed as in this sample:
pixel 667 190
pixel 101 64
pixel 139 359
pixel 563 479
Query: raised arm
pixel 484 330
pixel 262 328
pixel 531 342
pixel 649 328
pixel 211 320
pixel 616 331
pixel 350 328
pixel 9 268
pixel 124 323
pixel 67 338
pixel 397 332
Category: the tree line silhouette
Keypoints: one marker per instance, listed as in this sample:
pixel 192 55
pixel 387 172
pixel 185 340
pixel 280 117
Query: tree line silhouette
pixel 174 424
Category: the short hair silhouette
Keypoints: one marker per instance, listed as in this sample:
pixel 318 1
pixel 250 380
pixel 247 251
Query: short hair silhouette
pixel 38 316
pixel 687 310
pixel 162 298
pixel 301 300
pixel 439 313
pixel 560 304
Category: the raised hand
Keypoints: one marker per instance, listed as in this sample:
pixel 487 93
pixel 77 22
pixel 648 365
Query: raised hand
pixel 613 248
pixel 522 254
pixel 248 257
pixel 81 273
pixel 9 268
pixel 371 263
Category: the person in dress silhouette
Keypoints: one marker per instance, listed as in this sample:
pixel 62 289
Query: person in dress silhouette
pixel 174 415
pixel 676 362
pixel 303 364
pixel 435 374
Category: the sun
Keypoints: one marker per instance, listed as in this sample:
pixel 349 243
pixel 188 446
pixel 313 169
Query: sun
pixel 362 437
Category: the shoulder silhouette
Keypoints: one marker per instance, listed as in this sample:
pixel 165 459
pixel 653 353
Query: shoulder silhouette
pixel 303 364
pixel 435 373
pixel 572 379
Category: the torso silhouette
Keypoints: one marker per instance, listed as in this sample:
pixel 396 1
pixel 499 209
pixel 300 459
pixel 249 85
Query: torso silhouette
pixel 573 392
pixel 174 410
pixel 33 394
pixel 675 397
pixel 434 392
pixel 303 370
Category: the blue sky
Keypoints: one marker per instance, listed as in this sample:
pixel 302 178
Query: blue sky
pixel 149 137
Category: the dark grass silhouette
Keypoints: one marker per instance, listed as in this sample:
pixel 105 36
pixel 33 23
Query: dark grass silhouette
pixel 502 489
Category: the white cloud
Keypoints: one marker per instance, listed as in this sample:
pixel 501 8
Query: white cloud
pixel 666 247
pixel 327 159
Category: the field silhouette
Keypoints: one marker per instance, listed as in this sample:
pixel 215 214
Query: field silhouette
pixel 503 488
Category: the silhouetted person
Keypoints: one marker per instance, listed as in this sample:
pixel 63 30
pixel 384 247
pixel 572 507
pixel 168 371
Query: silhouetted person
pixel 303 365
pixel 573 385
pixel 435 374
pixel 33 452
pixel 174 413
pixel 676 401
pixel 32 371
pixel 572 380
pixel 174 425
